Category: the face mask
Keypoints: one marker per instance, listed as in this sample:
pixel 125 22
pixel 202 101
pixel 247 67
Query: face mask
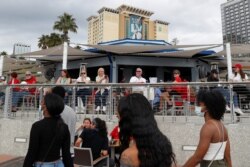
pixel 198 111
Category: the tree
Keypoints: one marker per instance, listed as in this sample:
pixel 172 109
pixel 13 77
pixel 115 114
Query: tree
pixel 65 24
pixel 47 41
pixel 3 53
pixel 55 39
pixel 175 41
pixel 43 42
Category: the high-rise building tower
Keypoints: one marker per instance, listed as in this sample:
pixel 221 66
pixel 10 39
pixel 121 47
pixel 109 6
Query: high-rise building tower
pixel 125 22
pixel 236 21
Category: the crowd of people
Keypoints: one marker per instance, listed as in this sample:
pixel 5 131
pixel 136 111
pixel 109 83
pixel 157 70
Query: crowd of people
pixel 141 143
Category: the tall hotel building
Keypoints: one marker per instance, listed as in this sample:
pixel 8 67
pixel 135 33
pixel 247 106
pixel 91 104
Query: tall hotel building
pixel 125 22
pixel 236 21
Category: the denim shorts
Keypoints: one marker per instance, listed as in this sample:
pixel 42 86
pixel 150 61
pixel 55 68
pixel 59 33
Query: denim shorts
pixel 57 163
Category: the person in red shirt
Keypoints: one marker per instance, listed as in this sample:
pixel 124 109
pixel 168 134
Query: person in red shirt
pixel 115 133
pixel 180 89
pixel 30 79
pixel 15 90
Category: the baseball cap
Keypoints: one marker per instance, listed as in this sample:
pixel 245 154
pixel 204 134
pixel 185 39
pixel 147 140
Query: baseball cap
pixel 238 66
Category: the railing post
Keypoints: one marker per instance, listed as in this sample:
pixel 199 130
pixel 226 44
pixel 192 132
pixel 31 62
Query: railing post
pixel 7 101
pixel 40 101
pixel 110 103
pixel 74 98
pixel 231 102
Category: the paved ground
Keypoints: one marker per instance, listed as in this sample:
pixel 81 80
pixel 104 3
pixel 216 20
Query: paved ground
pixel 11 161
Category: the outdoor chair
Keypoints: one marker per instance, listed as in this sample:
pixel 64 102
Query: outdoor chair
pixel 83 157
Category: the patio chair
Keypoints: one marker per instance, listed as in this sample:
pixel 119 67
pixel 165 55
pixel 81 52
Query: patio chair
pixel 83 157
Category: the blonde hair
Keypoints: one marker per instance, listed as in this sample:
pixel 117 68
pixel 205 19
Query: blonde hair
pixel 99 70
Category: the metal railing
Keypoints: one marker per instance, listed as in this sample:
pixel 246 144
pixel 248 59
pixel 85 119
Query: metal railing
pixel 176 99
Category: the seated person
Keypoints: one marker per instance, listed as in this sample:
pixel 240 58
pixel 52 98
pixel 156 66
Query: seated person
pixel 102 93
pixel 85 125
pixel 95 138
pixel 156 101
pixel 166 97
pixel 2 89
pixel 214 77
pixel 15 90
pixel 29 80
pixel 83 91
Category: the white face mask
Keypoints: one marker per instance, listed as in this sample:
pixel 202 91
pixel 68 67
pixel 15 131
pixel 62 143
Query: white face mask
pixel 198 111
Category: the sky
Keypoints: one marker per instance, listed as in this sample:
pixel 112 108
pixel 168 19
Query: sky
pixel 24 21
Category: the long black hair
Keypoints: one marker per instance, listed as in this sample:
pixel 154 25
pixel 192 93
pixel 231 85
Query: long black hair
pixel 100 125
pixel 55 106
pixel 137 121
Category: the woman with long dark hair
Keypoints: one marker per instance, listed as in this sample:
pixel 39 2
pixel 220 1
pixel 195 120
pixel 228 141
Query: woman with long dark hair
pixel 142 143
pixel 48 136
pixel 213 149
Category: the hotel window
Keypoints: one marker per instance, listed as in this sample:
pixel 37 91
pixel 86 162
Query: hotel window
pixel 127 28
pixel 145 31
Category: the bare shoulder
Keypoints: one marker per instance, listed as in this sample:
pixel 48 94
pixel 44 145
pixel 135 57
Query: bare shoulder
pixel 129 158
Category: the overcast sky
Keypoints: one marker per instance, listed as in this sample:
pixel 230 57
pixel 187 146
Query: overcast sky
pixel 24 21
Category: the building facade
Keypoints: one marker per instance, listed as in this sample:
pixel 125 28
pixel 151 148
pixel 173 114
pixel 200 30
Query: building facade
pixel 236 21
pixel 125 22
pixel 20 48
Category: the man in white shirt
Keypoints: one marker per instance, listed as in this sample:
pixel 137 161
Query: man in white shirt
pixel 139 80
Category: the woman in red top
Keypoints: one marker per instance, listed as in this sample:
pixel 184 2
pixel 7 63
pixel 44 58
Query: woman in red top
pixel 15 90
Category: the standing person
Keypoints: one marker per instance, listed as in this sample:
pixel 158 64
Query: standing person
pixel 83 91
pixel 95 138
pixel 139 80
pixel 142 143
pixel 214 147
pixel 15 90
pixel 68 115
pixel 102 93
pixel 49 136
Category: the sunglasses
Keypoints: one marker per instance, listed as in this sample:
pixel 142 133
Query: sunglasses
pixel 138 71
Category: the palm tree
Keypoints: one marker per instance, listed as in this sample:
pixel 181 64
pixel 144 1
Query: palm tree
pixel 55 39
pixel 43 41
pixel 65 24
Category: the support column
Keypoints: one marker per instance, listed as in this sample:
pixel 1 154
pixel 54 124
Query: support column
pixel 114 71
pixel 65 55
